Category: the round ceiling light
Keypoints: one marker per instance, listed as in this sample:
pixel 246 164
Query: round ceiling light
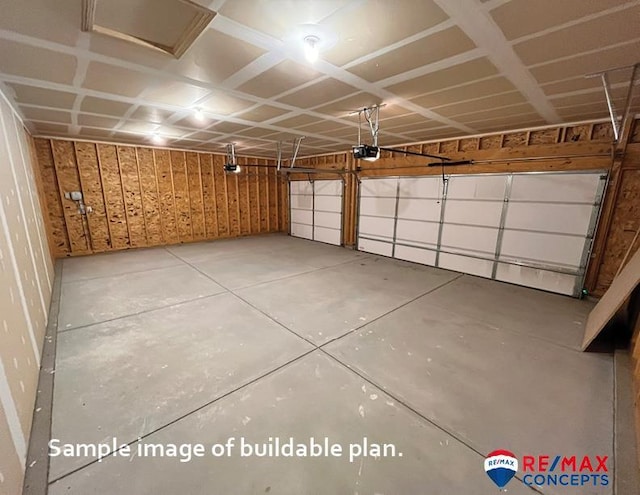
pixel 311 48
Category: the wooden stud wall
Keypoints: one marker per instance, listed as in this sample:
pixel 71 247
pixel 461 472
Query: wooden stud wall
pixel 142 196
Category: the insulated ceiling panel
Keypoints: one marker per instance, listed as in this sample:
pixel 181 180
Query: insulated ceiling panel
pixel 441 68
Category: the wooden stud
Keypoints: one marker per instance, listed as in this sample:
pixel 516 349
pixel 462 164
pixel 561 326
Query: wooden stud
pixel 238 208
pixel 104 197
pixel 155 172
pixel 144 216
pixel 204 218
pixel 276 180
pixel 225 180
pixel 258 177
pixel 187 188
pixel 215 196
pixel 150 195
pixel 84 188
pixel 126 213
pixel 66 175
pixel 173 192
pixel 268 199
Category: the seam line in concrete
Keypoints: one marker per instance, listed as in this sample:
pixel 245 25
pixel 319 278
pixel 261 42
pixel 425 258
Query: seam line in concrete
pixel 391 311
pixel 402 402
pixel 151 310
pixel 132 272
pixel 199 408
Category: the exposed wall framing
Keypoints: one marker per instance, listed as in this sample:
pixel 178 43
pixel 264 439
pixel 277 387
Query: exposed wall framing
pixel 141 196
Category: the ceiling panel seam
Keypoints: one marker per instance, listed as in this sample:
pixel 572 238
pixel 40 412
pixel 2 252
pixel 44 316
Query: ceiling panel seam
pixel 480 27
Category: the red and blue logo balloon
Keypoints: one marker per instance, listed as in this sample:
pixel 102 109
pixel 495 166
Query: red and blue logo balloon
pixel 501 466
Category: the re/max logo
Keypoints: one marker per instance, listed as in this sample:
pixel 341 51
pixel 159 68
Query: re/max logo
pixel 575 464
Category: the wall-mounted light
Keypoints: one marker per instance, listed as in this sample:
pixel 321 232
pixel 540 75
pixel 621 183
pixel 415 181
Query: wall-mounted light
pixel 311 49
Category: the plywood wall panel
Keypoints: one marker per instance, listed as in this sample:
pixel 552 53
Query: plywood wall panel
pixel 254 200
pixel 150 196
pixel 87 159
pixel 515 139
pixel 470 144
pixel 244 204
pixel 602 132
pixel 491 142
pixel 624 225
pixel 64 159
pixel 272 195
pixel 114 201
pixel 181 193
pixel 233 197
pixel 167 205
pixel 195 196
pixel 263 197
pixel 132 195
pixel 209 196
pixel 544 136
pixel 223 206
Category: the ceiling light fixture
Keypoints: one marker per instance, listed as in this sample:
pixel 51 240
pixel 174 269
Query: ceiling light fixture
pixel 311 51
pixel 156 138
pixel 199 114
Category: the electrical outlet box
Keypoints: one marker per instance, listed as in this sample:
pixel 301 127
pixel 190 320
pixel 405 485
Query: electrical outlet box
pixel 76 195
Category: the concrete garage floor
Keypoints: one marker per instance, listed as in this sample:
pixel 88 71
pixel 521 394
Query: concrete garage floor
pixel 273 336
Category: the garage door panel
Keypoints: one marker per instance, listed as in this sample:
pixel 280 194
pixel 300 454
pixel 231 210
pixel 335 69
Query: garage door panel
pixel 300 230
pixel 419 209
pixel 476 239
pixel 328 203
pixel 328 187
pixel 477 187
pixel 485 213
pixel 331 220
pixel 569 188
pixel 380 207
pixel 330 236
pixel 466 264
pixel 379 188
pixel 415 254
pixel 375 247
pixel 423 232
pixel 301 187
pixel 302 216
pixel 301 202
pixel 425 187
pixel 376 226
pixel 548 249
pixel 539 279
pixel 565 218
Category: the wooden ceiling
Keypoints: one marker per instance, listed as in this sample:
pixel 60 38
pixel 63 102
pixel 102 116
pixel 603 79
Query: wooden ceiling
pixel 442 68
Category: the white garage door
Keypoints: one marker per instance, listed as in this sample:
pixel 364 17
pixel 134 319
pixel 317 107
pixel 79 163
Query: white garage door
pixel 531 229
pixel 316 210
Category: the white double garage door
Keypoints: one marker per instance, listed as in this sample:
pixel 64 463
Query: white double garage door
pixel 529 229
pixel 316 210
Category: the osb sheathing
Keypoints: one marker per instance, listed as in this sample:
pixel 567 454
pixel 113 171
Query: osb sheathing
pixel 141 196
